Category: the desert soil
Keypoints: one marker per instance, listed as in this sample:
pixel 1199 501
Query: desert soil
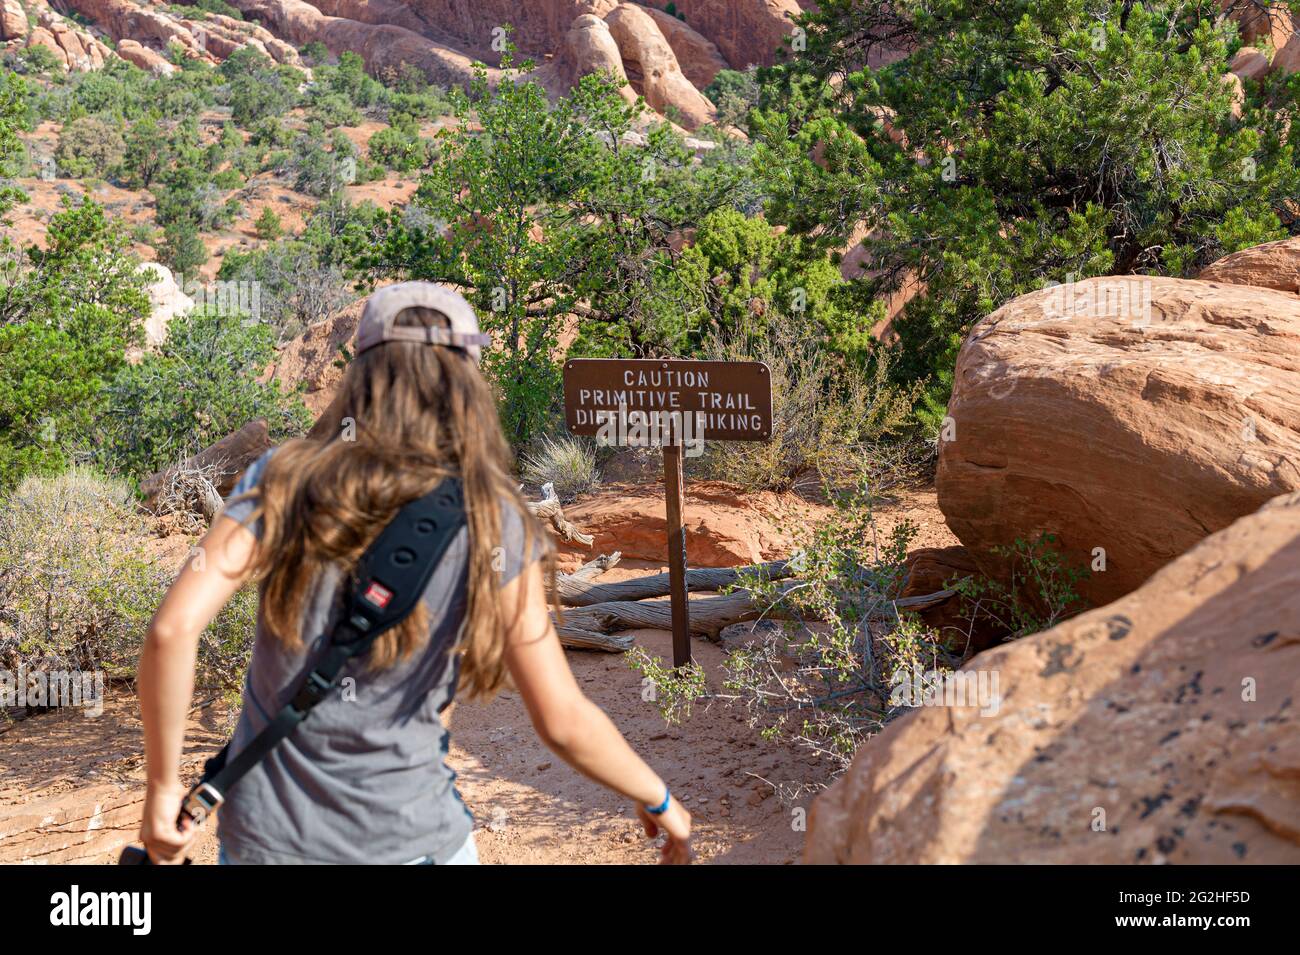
pixel 71 785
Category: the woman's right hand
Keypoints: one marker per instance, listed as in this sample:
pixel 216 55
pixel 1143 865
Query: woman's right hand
pixel 675 822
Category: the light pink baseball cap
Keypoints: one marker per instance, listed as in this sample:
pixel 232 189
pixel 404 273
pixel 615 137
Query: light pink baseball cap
pixel 385 304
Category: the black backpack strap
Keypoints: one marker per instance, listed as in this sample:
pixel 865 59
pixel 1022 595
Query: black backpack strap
pixel 389 580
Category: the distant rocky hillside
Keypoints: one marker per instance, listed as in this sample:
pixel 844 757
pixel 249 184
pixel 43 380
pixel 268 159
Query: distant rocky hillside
pixel 667 52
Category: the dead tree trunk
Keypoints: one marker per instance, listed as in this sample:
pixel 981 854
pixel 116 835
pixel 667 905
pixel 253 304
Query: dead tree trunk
pixel 575 591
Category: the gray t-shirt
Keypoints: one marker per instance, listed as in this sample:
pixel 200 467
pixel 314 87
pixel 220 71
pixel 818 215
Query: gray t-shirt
pixel 364 777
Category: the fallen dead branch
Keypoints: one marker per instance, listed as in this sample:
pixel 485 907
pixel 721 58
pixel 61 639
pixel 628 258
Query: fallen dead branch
pixel 708 615
pixel 548 509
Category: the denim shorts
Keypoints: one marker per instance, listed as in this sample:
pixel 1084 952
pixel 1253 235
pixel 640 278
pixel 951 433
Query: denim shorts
pixel 467 854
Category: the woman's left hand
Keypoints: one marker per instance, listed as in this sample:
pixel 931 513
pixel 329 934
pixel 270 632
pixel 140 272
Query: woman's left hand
pixel 165 843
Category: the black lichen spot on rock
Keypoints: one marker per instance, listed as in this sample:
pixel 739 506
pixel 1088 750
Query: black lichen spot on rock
pixel 1192 686
pixel 1118 627
pixel 1151 804
pixel 1190 807
pixel 1167 844
pixel 1240 849
pixel 1168 736
pixel 1264 639
pixel 1058 660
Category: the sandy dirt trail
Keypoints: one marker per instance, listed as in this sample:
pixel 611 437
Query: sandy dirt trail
pixel 71 785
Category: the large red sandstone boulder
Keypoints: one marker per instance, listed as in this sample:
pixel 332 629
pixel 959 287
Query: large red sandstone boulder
pixel 591 49
pixel 1250 63
pixel 745 31
pixel 697 55
pixel 145 58
pixel 13 20
pixel 1131 417
pixel 1161 728
pixel 1287 60
pixel 1271 265
pixel 650 63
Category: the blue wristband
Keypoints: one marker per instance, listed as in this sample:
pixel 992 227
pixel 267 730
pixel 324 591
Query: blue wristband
pixel 662 808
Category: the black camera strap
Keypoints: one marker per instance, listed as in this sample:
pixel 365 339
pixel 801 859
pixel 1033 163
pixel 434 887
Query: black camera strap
pixel 389 580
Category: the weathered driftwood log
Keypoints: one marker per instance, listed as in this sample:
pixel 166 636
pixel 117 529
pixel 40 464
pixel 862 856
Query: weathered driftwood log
pixel 548 509
pixel 708 615
pixel 588 571
pixel 223 462
pixel 577 591
pixel 576 638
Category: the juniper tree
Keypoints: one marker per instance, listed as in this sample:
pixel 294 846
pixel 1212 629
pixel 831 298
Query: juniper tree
pixel 1011 143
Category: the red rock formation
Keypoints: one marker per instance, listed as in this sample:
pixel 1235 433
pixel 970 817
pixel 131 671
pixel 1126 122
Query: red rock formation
pixel 697 55
pixel 1249 63
pixel 1156 729
pixel 652 67
pixel 143 57
pixel 13 21
pixel 1135 415
pixel 590 48
pixel 724 525
pixel 382 47
pixel 745 31
pixel 1271 265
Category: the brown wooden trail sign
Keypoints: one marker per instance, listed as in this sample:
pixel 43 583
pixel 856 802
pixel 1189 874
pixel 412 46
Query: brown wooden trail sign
pixel 676 405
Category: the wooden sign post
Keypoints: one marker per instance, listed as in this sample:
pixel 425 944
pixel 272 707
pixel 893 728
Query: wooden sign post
pixel 676 405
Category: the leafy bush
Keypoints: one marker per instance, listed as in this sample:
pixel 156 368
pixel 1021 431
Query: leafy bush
pixel 400 147
pixel 78 584
pixel 735 93
pixel 256 88
pixel 182 249
pixel 1038 594
pixel 68 312
pixel 335 109
pixel 567 462
pixel 1016 145
pixel 202 384
pixel 89 147
pixel 268 225
pixel 823 679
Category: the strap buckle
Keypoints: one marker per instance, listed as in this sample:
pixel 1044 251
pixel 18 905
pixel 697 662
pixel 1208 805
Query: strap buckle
pixel 312 691
pixel 202 800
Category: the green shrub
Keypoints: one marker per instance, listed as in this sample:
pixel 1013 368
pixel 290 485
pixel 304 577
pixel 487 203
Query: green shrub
pixel 335 109
pixel 68 312
pixel 1038 593
pixel 89 147
pixel 268 225
pixel 823 679
pixel 202 384
pixel 400 148
pixel 182 249
pixel 78 584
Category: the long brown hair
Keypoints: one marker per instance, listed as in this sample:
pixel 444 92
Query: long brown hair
pixel 407 415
